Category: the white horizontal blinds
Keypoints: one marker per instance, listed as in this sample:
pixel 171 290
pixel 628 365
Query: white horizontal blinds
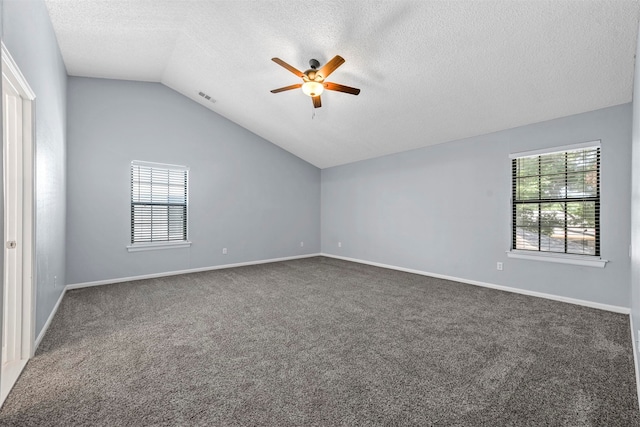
pixel 556 202
pixel 158 203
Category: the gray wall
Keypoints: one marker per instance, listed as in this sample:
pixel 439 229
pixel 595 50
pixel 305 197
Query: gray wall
pixel 635 206
pixel 445 209
pixel 29 37
pixel 245 194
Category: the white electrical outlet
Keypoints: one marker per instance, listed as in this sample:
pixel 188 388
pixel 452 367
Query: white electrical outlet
pixel 339 244
pixel 55 281
pixel 302 244
pixel 499 266
pixel 224 251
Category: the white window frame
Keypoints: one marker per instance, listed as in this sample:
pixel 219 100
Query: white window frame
pixel 150 246
pixel 582 260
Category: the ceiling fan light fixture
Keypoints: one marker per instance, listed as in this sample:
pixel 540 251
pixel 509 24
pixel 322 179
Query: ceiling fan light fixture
pixel 312 88
pixel 314 82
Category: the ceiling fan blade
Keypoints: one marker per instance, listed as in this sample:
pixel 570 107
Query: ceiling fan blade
pixel 282 89
pixel 288 67
pixel 331 66
pixel 316 101
pixel 341 88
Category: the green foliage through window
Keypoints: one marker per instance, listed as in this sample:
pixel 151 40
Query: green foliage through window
pixel 556 202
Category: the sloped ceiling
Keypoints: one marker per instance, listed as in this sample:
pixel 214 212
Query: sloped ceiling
pixel 429 71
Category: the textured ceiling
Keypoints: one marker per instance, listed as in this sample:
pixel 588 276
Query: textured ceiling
pixel 429 71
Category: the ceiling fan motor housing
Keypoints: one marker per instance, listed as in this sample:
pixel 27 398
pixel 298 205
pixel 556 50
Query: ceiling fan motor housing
pixel 311 75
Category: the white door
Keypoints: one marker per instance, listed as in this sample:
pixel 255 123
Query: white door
pixel 17 308
pixel 12 297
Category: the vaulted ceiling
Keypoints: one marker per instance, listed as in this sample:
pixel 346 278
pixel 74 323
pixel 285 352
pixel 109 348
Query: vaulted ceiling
pixel 429 71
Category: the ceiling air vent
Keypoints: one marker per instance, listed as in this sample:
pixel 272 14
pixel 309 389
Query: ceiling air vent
pixel 207 97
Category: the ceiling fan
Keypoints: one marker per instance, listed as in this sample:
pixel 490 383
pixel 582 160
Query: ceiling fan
pixel 314 83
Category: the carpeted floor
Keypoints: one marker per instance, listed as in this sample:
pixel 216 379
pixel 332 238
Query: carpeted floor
pixel 320 341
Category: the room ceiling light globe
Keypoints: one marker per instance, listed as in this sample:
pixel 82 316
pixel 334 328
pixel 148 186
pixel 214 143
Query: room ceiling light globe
pixel 312 88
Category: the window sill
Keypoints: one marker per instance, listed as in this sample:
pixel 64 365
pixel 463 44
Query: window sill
pixel 157 246
pixel 585 261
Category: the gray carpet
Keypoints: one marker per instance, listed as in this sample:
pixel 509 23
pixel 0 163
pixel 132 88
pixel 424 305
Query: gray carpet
pixel 325 342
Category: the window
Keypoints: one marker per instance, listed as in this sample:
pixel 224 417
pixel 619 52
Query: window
pixel 556 201
pixel 158 204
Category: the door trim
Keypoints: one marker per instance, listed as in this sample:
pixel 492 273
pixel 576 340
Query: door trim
pixel 13 74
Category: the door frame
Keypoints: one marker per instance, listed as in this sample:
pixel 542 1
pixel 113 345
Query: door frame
pixel 12 73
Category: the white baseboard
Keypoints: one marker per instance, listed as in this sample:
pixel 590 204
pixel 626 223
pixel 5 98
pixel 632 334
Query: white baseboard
pixel 192 270
pixel 634 336
pixel 606 307
pixel 48 322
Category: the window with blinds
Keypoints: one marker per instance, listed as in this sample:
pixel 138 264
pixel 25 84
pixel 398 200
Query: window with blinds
pixel 158 202
pixel 556 202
